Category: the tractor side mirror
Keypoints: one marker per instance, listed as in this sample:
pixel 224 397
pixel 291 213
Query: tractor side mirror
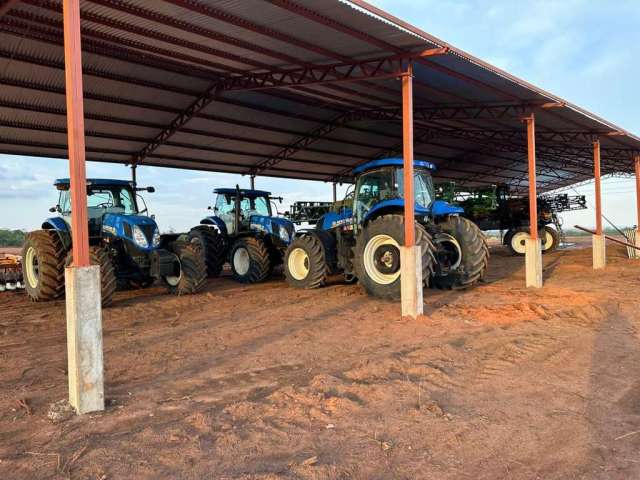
pixel 209 207
pixel 151 189
pixel 53 209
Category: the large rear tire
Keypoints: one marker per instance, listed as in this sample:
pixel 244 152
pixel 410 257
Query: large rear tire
pixel 377 255
pixel 108 282
pixel 193 270
pixel 462 252
pixel 212 246
pixel 43 257
pixel 250 260
pixel 305 264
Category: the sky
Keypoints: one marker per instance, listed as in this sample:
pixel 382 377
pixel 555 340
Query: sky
pixel 585 51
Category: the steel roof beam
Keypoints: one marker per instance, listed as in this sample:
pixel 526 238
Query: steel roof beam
pixel 190 146
pixel 345 72
pixel 98 73
pixel 292 6
pixel 106 21
pixel 154 107
pixel 124 121
pixel 223 16
pixel 329 22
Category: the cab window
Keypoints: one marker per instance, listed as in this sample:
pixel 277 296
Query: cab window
pixel 374 187
pixel 225 204
pixel 423 189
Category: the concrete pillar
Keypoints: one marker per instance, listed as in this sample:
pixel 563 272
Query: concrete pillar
pixel 411 281
pixel 533 245
pixel 533 262
pixel 84 338
pixel 599 252
pixel 411 264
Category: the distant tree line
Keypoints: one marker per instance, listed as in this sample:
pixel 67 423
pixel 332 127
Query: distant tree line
pixel 11 238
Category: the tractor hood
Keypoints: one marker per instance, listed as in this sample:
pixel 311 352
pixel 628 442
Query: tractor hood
pixel 139 229
pixel 280 227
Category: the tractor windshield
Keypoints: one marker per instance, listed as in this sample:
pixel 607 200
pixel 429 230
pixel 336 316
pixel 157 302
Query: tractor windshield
pixel 422 186
pixel 374 187
pixel 387 184
pixel 103 199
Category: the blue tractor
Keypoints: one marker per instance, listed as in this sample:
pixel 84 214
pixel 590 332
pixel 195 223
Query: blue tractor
pixel 362 235
pixel 124 241
pixel 244 232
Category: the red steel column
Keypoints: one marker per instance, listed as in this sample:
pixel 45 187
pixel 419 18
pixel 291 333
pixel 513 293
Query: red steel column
pixel 75 132
pixel 596 174
pixel 407 153
pixel 637 162
pixel 533 193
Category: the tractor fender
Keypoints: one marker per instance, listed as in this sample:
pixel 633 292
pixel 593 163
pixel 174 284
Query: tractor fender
pixel 61 228
pixel 215 222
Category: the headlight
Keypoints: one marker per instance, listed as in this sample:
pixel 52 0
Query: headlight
pixel 284 234
pixel 156 238
pixel 139 238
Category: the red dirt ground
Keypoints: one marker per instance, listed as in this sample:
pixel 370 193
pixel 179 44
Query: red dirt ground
pixel 266 382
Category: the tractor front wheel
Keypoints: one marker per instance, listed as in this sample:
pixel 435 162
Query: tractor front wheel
pixel 43 257
pixel 377 255
pixel 462 253
pixel 212 246
pixel 305 265
pixel 192 276
pixel 250 260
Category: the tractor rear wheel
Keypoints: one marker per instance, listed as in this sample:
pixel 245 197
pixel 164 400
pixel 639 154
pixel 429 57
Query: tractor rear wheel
pixel 43 258
pixel 550 239
pixel 193 270
pixel 108 282
pixel 250 260
pixel 462 253
pixel 212 245
pixel 377 255
pixel 305 264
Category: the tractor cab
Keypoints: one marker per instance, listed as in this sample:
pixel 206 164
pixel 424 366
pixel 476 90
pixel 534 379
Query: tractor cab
pixel 243 203
pixel 380 184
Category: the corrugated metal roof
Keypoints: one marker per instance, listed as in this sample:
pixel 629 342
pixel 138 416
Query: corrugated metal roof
pixel 146 62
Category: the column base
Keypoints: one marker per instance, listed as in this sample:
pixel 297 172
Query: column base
pixel 599 252
pixel 411 281
pixel 533 262
pixel 84 338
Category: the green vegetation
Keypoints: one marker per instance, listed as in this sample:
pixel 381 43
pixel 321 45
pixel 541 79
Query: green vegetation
pixel 11 238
